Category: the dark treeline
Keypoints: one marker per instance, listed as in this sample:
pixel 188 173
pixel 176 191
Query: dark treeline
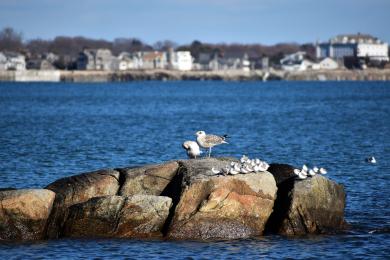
pixel 68 47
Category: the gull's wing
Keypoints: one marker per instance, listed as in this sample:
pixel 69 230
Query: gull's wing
pixel 214 139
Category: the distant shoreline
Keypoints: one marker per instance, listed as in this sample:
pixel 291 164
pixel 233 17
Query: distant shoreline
pixel 172 75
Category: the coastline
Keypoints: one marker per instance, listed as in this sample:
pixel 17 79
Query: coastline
pixel 173 75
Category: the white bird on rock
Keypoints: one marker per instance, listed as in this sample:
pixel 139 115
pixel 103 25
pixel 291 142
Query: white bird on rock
pixel 244 158
pixel 312 172
pixel 297 171
pixel 192 149
pixel 209 141
pixel 302 175
pixel 232 171
pixel 323 171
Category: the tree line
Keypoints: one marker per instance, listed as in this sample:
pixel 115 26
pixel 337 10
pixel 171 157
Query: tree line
pixel 68 48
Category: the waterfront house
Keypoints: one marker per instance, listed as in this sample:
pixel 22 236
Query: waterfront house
pixel 12 61
pixel 328 64
pixel 128 61
pixel 353 49
pixel 180 60
pixel 295 62
pixel 203 61
pixel 97 59
pixel 230 61
pixel 154 60
pixel 42 62
pixel 39 64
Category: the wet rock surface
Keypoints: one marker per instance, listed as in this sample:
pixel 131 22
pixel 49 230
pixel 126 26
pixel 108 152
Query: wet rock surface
pixel 317 206
pixel 118 216
pixel 24 213
pixel 77 189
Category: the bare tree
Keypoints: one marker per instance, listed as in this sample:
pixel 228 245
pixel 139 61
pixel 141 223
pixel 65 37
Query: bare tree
pixel 10 40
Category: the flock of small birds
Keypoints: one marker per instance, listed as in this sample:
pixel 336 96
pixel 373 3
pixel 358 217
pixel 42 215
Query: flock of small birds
pixel 309 172
pixel 246 165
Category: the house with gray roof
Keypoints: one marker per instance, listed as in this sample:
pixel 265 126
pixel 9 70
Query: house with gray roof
pixel 97 59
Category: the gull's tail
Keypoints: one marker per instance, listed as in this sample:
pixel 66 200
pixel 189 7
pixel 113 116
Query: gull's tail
pixel 224 137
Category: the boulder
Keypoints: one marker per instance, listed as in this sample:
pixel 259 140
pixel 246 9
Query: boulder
pixel 313 205
pixel 221 207
pixel 118 216
pixel 24 213
pixel 147 180
pixel 77 189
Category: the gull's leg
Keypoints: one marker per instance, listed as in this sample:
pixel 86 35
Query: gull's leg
pixel 209 152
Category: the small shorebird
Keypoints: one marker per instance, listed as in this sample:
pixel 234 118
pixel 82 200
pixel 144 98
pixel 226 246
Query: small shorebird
pixel 323 171
pixel 192 149
pixel 209 141
pixel 311 172
pixel 301 174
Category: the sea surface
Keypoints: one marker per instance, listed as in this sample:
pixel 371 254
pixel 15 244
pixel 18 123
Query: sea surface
pixel 52 130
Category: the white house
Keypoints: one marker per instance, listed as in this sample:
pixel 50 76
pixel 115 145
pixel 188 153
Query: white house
pixel 12 61
pixel 295 62
pixel 181 60
pixel 128 61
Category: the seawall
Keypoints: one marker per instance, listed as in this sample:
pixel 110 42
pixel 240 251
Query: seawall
pixel 167 75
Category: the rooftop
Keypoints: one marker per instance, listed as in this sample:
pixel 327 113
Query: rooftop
pixel 355 38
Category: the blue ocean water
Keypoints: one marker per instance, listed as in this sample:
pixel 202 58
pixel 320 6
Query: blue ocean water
pixel 52 130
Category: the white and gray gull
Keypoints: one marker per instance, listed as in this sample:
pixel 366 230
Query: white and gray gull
pixel 192 149
pixel 209 141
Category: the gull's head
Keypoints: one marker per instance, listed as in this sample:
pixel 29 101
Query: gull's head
pixel 200 133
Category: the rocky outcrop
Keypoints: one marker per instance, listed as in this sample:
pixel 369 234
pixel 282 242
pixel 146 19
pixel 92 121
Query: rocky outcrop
pixel 147 180
pixel 228 207
pixel 177 200
pixel 313 205
pixel 118 216
pixel 77 189
pixel 24 213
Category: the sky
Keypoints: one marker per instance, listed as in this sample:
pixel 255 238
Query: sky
pixel 214 21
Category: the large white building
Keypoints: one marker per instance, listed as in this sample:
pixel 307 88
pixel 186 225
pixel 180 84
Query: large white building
pixel 354 45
